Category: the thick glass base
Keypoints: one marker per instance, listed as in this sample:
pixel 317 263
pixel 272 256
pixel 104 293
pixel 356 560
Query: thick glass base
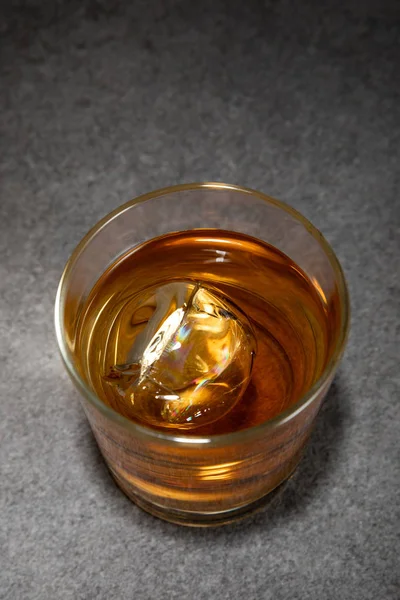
pixel 203 519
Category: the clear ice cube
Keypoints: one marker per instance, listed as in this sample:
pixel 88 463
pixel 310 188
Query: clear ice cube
pixel 192 361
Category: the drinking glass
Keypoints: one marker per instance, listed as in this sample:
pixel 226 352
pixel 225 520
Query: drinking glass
pixel 182 478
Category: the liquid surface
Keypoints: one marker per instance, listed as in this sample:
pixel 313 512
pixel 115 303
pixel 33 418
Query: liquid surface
pixel 204 331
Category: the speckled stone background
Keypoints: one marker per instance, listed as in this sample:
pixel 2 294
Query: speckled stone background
pixel 101 101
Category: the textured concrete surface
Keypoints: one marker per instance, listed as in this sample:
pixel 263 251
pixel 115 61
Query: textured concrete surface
pixel 101 102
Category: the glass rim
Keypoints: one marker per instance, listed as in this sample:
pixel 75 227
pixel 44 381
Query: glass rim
pixel 143 432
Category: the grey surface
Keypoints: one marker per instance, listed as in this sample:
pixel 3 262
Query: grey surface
pixel 100 103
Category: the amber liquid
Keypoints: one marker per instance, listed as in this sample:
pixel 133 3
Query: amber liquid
pixel 291 321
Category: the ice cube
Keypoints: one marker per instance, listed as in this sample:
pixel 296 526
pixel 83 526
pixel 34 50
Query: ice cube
pixel 191 363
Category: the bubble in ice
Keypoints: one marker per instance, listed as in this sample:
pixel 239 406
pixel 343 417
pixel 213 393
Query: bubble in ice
pixel 192 361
